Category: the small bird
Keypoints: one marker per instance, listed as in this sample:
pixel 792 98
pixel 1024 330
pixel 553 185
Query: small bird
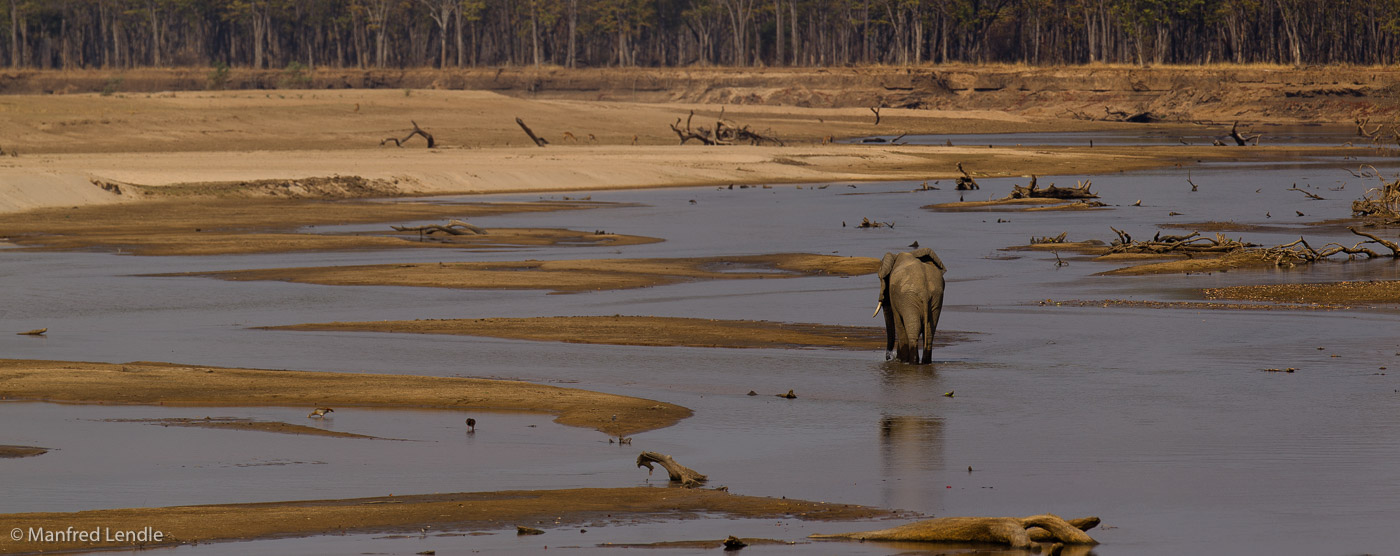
pixel 320 412
pixel 914 245
pixel 788 395
pixel 471 424
pixel 1300 213
pixel 948 394
pixel 1138 203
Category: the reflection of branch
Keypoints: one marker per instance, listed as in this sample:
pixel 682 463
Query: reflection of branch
pixel 1016 532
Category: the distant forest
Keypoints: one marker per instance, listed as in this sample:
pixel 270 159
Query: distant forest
pixel 72 34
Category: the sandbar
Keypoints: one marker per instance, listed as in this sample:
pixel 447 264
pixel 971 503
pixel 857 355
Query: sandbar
pixel 481 511
pixel 147 383
pixel 565 276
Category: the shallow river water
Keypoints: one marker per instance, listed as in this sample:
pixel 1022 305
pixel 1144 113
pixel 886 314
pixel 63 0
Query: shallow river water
pixel 1160 421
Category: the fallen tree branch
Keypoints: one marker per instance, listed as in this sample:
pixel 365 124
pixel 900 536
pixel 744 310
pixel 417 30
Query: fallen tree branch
pixel 416 131
pixel 1310 195
pixel 678 473
pixel 539 141
pixel 1012 531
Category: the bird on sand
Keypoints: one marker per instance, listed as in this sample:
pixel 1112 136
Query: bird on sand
pixel 320 412
pixel 471 424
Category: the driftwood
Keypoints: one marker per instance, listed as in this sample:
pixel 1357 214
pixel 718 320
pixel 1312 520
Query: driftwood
pixel 868 223
pixel 416 131
pixel 1187 244
pixel 35 332
pixel 725 132
pixel 679 473
pixel 1049 239
pixel 1016 532
pixel 1032 191
pixel 965 182
pixel 539 141
pixel 876 110
pixel 454 227
pixel 1243 140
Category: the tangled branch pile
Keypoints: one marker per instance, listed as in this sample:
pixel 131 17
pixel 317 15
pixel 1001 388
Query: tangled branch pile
pixel 1188 244
pixel 1379 202
pixel 1288 254
pixel 1299 251
pixel 725 132
pixel 1033 191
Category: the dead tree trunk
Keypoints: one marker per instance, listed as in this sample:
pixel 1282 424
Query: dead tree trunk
pixel 539 141
pixel 1243 140
pixel 702 135
pixel 965 182
pixel 679 473
pixel 1031 191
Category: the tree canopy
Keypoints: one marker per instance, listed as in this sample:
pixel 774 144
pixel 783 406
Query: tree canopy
pixel 596 33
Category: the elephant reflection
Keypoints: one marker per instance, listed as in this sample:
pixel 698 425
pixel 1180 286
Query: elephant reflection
pixel 911 295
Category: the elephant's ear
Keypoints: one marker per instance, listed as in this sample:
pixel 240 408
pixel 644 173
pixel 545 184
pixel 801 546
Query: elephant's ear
pixel 927 255
pixel 886 266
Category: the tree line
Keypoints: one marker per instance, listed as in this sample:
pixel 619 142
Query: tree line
pixel 70 34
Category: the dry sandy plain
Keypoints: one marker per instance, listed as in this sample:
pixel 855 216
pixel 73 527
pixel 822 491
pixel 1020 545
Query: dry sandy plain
pixel 161 166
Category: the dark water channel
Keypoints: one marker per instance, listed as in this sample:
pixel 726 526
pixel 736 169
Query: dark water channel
pixel 1160 421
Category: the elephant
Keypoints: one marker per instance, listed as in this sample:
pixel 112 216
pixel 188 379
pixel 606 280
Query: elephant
pixel 911 295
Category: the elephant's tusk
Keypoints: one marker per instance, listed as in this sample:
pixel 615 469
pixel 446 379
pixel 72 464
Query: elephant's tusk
pixel 878 305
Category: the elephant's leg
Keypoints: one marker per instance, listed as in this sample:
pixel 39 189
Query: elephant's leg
pixel 935 310
pixel 912 333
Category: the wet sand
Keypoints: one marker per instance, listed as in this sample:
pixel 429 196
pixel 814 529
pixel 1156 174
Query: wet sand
pixel 21 451
pixel 636 331
pixel 148 383
pixel 1334 293
pixel 491 511
pixel 564 276
pixel 1011 205
pixel 219 226
pixel 232 423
